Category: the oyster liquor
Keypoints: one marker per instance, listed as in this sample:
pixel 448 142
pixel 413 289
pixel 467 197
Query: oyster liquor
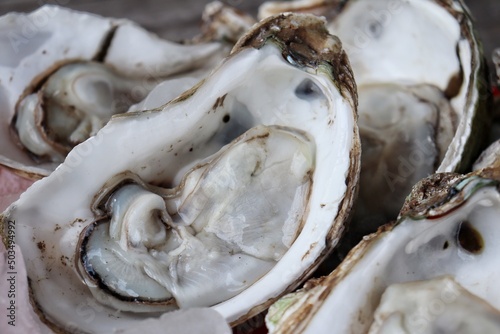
pixel 11 273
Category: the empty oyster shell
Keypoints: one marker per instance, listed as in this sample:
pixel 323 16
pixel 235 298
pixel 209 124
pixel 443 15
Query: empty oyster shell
pixel 428 54
pixel 230 195
pixel 63 74
pixel 448 227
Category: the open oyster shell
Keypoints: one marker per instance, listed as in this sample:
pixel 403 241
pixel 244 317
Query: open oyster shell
pixel 229 195
pixel 422 88
pixel 448 227
pixel 63 74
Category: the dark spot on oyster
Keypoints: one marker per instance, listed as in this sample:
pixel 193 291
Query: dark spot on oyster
pixel 256 169
pixel 456 81
pixel 469 238
pixel 375 29
pixel 308 90
pixel 77 220
pixel 219 102
pixel 41 246
pixel 241 120
pixel 105 45
pixel 454 85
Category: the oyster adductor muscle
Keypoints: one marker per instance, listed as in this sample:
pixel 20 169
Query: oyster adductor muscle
pixel 228 196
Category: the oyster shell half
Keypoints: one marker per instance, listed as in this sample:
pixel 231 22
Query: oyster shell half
pixel 448 227
pixel 63 74
pixel 230 195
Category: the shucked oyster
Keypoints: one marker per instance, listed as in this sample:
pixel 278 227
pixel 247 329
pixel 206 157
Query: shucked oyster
pixel 229 195
pixel 448 227
pixel 422 92
pixel 63 74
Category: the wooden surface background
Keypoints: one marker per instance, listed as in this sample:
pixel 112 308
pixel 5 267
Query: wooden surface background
pixel 179 19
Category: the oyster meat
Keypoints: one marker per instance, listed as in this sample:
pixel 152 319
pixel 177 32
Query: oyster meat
pixel 228 196
pixel 63 78
pixel 447 232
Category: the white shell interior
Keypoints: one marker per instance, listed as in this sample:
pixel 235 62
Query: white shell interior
pixel 426 35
